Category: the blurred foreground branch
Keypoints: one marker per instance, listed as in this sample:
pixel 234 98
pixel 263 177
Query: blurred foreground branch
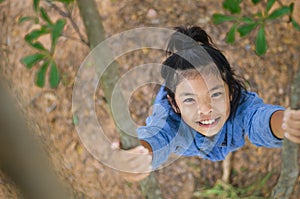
pixel 21 158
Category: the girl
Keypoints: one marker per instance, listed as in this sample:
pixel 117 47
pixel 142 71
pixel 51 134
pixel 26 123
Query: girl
pixel 203 109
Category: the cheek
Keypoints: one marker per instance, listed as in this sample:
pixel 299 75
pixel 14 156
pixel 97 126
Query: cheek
pixel 222 105
pixel 188 112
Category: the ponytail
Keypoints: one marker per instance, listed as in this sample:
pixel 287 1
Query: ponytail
pixel 188 37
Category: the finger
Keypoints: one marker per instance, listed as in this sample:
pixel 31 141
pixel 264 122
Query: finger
pixel 135 160
pixel 292 138
pixel 143 160
pixel 140 164
pixel 127 155
pixel 115 145
pixel 291 124
pixel 139 150
pixel 294 114
pixel 292 131
pixel 145 167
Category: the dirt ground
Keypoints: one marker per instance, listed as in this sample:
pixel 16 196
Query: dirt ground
pixel 51 109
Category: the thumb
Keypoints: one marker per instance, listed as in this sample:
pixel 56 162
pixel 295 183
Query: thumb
pixel 115 145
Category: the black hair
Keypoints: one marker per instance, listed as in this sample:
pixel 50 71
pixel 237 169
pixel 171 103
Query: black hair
pixel 192 48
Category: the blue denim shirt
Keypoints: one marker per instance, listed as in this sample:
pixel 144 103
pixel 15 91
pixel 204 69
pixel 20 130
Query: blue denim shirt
pixel 167 133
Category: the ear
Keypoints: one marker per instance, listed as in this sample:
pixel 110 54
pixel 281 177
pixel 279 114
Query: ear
pixel 173 104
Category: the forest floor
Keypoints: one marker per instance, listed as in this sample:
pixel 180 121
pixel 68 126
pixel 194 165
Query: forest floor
pixel 255 170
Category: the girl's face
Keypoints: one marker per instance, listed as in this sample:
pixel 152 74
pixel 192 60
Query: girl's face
pixel 204 103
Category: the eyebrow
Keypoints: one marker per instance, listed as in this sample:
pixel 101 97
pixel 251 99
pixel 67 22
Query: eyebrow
pixel 186 94
pixel 193 94
pixel 216 87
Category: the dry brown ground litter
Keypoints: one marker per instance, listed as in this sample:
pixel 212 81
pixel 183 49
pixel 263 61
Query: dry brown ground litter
pixel 50 109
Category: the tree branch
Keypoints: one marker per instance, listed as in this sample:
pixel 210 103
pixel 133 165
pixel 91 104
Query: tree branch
pixel 289 168
pixel 96 34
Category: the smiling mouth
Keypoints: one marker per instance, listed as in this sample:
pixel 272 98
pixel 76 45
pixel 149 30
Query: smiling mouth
pixel 208 123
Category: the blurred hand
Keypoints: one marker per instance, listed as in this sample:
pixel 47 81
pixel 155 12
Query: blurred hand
pixel 291 125
pixel 134 164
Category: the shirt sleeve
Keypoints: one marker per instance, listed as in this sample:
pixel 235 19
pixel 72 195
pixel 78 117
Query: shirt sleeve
pixel 256 121
pixel 160 129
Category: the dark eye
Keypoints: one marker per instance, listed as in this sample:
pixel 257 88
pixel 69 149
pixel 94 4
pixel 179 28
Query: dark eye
pixel 217 94
pixel 188 100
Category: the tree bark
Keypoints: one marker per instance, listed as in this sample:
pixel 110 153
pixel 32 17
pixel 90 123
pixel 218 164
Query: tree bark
pixel 96 34
pixel 226 164
pixel 289 166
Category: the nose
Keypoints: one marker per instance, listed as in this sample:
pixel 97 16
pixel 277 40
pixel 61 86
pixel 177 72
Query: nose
pixel 205 107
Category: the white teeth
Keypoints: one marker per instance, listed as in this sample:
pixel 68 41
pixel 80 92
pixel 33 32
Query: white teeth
pixel 207 121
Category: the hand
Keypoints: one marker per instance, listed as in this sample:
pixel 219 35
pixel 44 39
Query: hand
pixel 291 125
pixel 135 163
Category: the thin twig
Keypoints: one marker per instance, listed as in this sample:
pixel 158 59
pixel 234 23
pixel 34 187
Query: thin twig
pixel 76 28
pixel 67 14
pixel 70 37
pixel 60 11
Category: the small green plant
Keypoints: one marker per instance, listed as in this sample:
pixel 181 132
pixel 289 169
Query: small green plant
pixel 44 57
pixel 256 21
pixel 224 190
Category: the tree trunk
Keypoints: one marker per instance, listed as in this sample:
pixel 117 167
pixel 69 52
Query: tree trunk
pixel 96 34
pixel 289 166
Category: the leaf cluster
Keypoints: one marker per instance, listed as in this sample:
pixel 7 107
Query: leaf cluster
pixel 44 58
pixel 255 22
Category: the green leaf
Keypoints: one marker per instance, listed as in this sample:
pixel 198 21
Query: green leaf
pixel 75 120
pixel 269 5
pixel 45 16
pixel 295 24
pixel 26 18
pixel 66 1
pixel 255 1
pixel 38 45
pixel 36 5
pixel 41 74
pixel 284 10
pixel 230 37
pixel 56 32
pixel 258 14
pixel 34 34
pixel 247 28
pixel 261 43
pixel 1 1
pixel 220 18
pixel 232 5
pixel 31 60
pixel 247 19
pixel 54 76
